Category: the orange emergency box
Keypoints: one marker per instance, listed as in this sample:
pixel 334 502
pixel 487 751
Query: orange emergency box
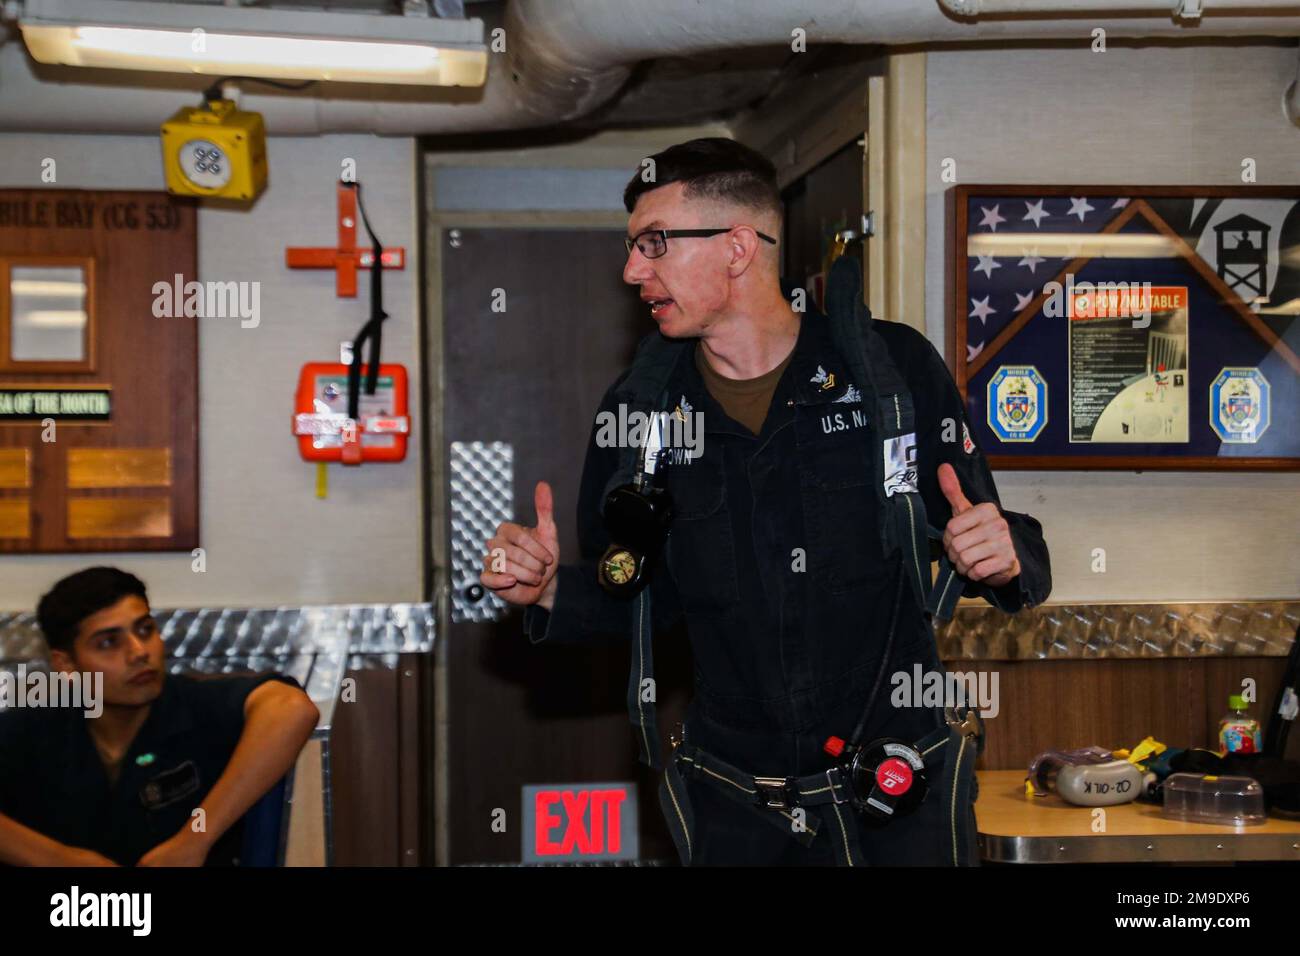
pixel 325 432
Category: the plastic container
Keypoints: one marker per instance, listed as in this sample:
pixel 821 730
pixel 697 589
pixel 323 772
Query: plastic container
pixel 1207 798
pixel 1238 731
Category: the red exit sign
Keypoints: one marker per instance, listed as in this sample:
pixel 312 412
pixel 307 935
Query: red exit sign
pixel 579 822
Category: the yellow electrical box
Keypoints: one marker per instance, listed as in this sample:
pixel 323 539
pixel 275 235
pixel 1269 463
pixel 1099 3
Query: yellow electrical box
pixel 215 150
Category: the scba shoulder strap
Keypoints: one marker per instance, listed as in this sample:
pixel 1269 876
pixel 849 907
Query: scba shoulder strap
pixel 903 525
pixel 887 401
pixel 645 389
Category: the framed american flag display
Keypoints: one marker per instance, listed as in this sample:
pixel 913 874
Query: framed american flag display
pixel 1127 327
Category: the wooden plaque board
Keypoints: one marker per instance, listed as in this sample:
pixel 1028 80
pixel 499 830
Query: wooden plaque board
pixel 99 452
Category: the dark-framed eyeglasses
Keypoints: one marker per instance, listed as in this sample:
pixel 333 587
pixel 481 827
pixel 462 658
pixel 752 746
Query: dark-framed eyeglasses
pixel 653 243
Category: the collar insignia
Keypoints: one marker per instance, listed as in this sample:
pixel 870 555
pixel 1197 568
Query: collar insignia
pixel 823 378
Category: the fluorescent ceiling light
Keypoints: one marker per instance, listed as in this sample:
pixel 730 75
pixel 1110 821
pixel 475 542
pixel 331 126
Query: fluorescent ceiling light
pixel 242 41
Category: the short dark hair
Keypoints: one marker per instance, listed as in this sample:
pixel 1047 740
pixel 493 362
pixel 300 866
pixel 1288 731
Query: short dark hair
pixel 73 599
pixel 712 168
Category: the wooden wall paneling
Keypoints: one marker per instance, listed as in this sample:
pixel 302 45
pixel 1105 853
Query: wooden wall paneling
pixel 410 733
pixel 1060 705
pixel 364 765
pixel 1055 705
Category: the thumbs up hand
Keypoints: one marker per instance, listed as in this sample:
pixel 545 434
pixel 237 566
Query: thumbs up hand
pixel 977 539
pixel 521 562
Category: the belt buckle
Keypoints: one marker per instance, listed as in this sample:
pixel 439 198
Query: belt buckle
pixel 831 783
pixel 676 736
pixel 774 793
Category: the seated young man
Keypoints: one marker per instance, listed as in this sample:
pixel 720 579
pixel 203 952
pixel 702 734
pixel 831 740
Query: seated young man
pixel 122 788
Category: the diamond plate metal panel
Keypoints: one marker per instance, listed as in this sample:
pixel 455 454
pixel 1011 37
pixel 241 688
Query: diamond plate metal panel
pixel 482 496
pixel 20 637
pixel 977 632
pixel 227 640
pixel 389 629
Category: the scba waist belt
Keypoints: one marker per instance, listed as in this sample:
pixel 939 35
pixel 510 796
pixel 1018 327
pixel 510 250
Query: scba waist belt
pixel 880 781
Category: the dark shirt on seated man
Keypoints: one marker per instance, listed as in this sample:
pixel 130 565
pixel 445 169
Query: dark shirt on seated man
pixel 165 771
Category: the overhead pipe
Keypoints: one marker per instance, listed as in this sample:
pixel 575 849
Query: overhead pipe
pixel 562 59
pixel 1181 9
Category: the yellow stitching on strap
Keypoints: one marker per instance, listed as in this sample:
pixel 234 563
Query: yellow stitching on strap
pixel 956 768
pixel 685 831
pixel 640 652
pixel 952 576
pixel 911 518
pixel 727 780
pixel 848 854
pixel 935 746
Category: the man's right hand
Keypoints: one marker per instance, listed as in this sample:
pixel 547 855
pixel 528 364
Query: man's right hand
pixel 22 846
pixel 521 562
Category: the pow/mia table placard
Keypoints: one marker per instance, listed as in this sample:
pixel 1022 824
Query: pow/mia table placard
pixel 98 393
pixel 1128 326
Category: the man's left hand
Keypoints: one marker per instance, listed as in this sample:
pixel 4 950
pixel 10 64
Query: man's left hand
pixel 978 539
pixel 186 848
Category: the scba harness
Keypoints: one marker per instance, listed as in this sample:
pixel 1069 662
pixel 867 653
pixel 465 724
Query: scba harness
pixel 882 779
